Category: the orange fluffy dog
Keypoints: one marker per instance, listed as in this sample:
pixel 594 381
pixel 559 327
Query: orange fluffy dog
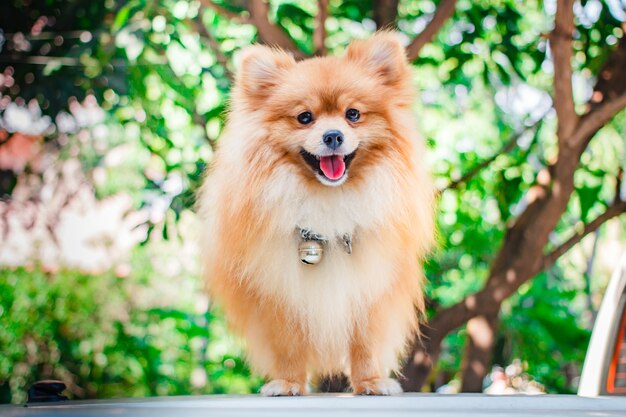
pixel 317 211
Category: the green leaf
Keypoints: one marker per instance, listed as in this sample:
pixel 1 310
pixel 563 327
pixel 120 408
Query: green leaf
pixel 587 198
pixel 121 18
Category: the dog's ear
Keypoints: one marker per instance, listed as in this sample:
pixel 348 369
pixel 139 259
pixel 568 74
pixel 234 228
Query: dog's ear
pixel 260 68
pixel 383 55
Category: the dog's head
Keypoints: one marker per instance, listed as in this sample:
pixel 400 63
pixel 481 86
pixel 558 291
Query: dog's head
pixel 330 117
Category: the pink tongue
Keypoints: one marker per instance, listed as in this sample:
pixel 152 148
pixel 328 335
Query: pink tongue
pixel 332 166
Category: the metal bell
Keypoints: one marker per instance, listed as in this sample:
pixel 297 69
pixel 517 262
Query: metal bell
pixel 310 252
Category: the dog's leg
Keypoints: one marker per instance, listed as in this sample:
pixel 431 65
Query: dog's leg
pixel 276 345
pixel 288 356
pixel 379 338
pixel 367 375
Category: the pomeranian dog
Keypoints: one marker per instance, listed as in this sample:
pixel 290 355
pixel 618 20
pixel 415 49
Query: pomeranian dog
pixel 317 212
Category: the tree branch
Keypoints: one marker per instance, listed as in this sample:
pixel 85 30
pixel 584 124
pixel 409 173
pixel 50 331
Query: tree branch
pixel 614 210
pixel 444 11
pixel 611 81
pixel 319 33
pixel 561 47
pixel 270 33
pixel 236 17
pixel 212 43
pixel 508 147
pixel 596 119
pixel 471 173
pixel 618 186
pixel 608 98
pixel 385 13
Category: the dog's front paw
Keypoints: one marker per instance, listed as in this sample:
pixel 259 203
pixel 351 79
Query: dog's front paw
pixel 378 386
pixel 282 387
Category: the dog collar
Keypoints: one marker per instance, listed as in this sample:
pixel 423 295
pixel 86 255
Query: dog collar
pixel 312 244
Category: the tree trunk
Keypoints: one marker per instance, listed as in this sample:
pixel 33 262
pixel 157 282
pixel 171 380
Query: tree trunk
pixel 521 255
pixel 481 337
pixel 424 354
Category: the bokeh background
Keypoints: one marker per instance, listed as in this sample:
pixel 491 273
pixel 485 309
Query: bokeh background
pixel 110 112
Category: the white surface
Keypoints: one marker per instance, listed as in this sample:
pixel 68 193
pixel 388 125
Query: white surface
pixel 601 345
pixel 423 405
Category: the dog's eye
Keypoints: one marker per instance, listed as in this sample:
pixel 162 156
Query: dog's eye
pixel 305 117
pixel 353 115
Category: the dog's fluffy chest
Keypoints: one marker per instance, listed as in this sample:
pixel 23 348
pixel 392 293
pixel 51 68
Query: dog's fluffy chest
pixel 330 297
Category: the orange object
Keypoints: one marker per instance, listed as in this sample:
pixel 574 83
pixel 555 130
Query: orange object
pixel 616 381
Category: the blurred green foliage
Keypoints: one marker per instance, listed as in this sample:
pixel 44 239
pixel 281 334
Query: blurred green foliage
pixel 161 71
pixel 95 334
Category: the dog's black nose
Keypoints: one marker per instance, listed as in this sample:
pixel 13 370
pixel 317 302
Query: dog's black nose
pixel 333 139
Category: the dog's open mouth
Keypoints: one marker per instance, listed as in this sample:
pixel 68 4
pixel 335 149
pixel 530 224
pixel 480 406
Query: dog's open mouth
pixel 331 167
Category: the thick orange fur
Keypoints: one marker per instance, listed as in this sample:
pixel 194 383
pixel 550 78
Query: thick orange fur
pixel 350 313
